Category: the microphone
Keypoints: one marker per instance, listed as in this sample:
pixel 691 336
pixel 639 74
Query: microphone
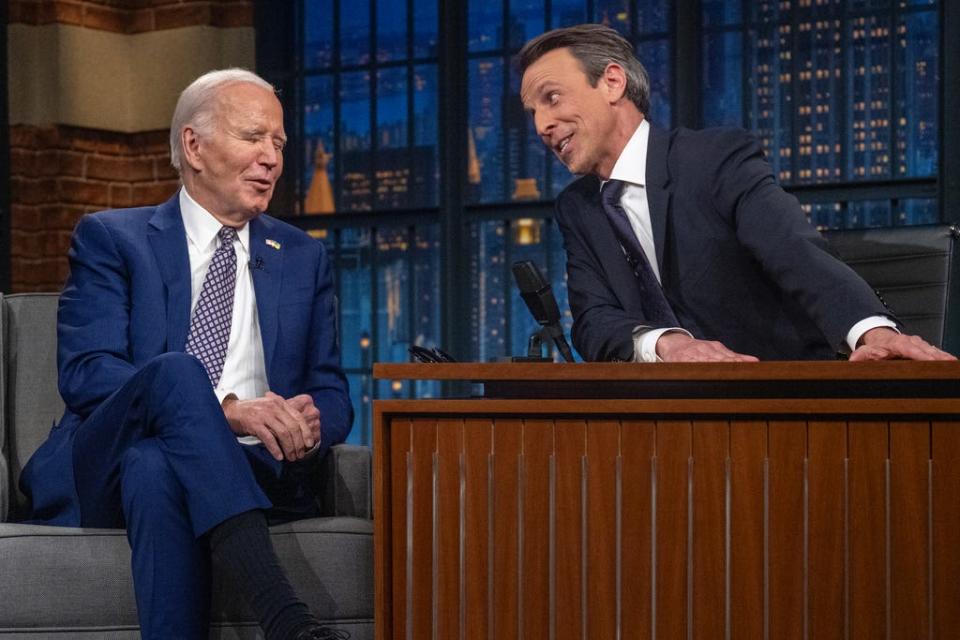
pixel 256 263
pixel 538 295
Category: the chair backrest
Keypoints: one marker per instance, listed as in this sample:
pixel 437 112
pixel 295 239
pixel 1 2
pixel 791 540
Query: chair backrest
pixel 31 402
pixel 915 272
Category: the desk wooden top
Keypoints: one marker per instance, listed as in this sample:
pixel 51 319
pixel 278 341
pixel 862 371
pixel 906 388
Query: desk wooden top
pixel 756 379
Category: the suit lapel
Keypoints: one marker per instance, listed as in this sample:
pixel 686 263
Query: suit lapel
pixel 658 195
pixel 266 265
pixel 168 242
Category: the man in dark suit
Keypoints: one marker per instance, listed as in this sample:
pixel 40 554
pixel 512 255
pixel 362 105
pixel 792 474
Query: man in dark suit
pixel 199 366
pixel 680 245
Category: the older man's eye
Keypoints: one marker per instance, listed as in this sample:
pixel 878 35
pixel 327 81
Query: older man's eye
pixel 554 97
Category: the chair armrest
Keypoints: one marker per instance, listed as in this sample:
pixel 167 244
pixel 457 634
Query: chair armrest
pixel 345 487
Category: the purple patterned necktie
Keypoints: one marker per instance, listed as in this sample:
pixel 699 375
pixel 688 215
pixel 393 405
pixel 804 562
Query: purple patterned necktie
pixel 210 326
pixel 655 305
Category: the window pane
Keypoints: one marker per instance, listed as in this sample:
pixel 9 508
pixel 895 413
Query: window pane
pixel 723 79
pixel 319 170
pixel 318 34
pixel 526 21
pixel 357 184
pixel 869 130
pixel 720 12
pixel 818 84
pixel 918 211
pixel 826 215
pixel 655 56
pixel 354 32
pixel 917 88
pixel 613 13
pixel 361 397
pixel 771 100
pixel 392 159
pixel 391 30
pixel 488 267
pixel 395 389
pixel 393 295
pixel 425 257
pixel 526 152
pixel 567 13
pixel 870 5
pixel 485 99
pixel 485 22
pixel 353 271
pixel 869 213
pixel 425 19
pixel 426 117
pixel 392 108
pixel 653 16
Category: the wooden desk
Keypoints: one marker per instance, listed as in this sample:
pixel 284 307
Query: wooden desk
pixel 780 500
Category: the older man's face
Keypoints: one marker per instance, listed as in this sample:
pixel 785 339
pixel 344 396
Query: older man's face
pixel 241 158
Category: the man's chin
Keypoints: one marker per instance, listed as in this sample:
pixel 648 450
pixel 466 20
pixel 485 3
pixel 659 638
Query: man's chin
pixel 572 165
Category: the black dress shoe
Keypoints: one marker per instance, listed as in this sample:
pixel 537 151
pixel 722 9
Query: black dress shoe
pixel 318 632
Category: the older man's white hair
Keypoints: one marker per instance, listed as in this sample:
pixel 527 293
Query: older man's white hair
pixel 197 105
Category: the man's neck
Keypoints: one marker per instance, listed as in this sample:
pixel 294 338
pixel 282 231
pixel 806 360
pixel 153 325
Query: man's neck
pixel 626 126
pixel 203 198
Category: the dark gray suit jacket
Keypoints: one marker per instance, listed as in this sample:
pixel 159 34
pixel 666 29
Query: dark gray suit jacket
pixel 738 260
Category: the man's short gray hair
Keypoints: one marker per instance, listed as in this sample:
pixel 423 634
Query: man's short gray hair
pixel 594 46
pixel 197 104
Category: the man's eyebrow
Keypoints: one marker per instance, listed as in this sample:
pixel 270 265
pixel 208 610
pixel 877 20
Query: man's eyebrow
pixel 534 93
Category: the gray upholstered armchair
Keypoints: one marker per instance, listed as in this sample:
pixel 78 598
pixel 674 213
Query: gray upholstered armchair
pixel 62 582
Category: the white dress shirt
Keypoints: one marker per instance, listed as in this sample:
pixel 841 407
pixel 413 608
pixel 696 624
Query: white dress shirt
pixel 631 169
pixel 244 370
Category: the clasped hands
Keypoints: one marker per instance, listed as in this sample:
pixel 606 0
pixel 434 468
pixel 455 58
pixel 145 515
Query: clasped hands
pixel 880 343
pixel 288 427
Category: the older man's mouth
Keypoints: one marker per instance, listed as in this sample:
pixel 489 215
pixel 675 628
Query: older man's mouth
pixel 262 184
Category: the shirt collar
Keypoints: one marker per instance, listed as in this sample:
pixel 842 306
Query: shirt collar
pixel 202 228
pixel 631 166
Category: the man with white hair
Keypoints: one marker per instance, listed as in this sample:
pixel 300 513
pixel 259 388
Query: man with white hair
pixel 199 366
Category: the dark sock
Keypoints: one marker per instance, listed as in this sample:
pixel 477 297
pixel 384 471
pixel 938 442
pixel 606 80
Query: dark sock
pixel 240 547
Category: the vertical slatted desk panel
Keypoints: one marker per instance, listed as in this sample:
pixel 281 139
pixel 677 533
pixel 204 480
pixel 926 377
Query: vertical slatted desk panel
pixel 606 501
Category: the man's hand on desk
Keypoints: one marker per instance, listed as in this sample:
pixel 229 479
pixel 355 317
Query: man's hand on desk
pixel 288 428
pixel 883 343
pixel 679 347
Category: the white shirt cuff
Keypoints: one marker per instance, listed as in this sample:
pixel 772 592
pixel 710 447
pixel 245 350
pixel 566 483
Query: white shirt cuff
pixel 645 343
pixel 856 332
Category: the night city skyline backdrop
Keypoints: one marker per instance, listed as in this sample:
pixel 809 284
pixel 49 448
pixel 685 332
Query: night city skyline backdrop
pixel 837 91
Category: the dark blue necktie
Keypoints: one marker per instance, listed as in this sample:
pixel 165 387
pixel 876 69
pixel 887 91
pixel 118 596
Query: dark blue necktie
pixel 213 315
pixel 656 309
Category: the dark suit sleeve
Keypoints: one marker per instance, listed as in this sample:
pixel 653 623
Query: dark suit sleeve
pixel 771 226
pixel 326 382
pixel 602 329
pixel 93 320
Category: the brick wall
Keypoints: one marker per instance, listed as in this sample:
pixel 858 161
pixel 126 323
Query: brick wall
pixel 59 173
pixel 133 16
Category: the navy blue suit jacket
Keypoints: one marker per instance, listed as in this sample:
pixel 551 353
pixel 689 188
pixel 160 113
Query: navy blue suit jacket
pixel 738 260
pixel 127 300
